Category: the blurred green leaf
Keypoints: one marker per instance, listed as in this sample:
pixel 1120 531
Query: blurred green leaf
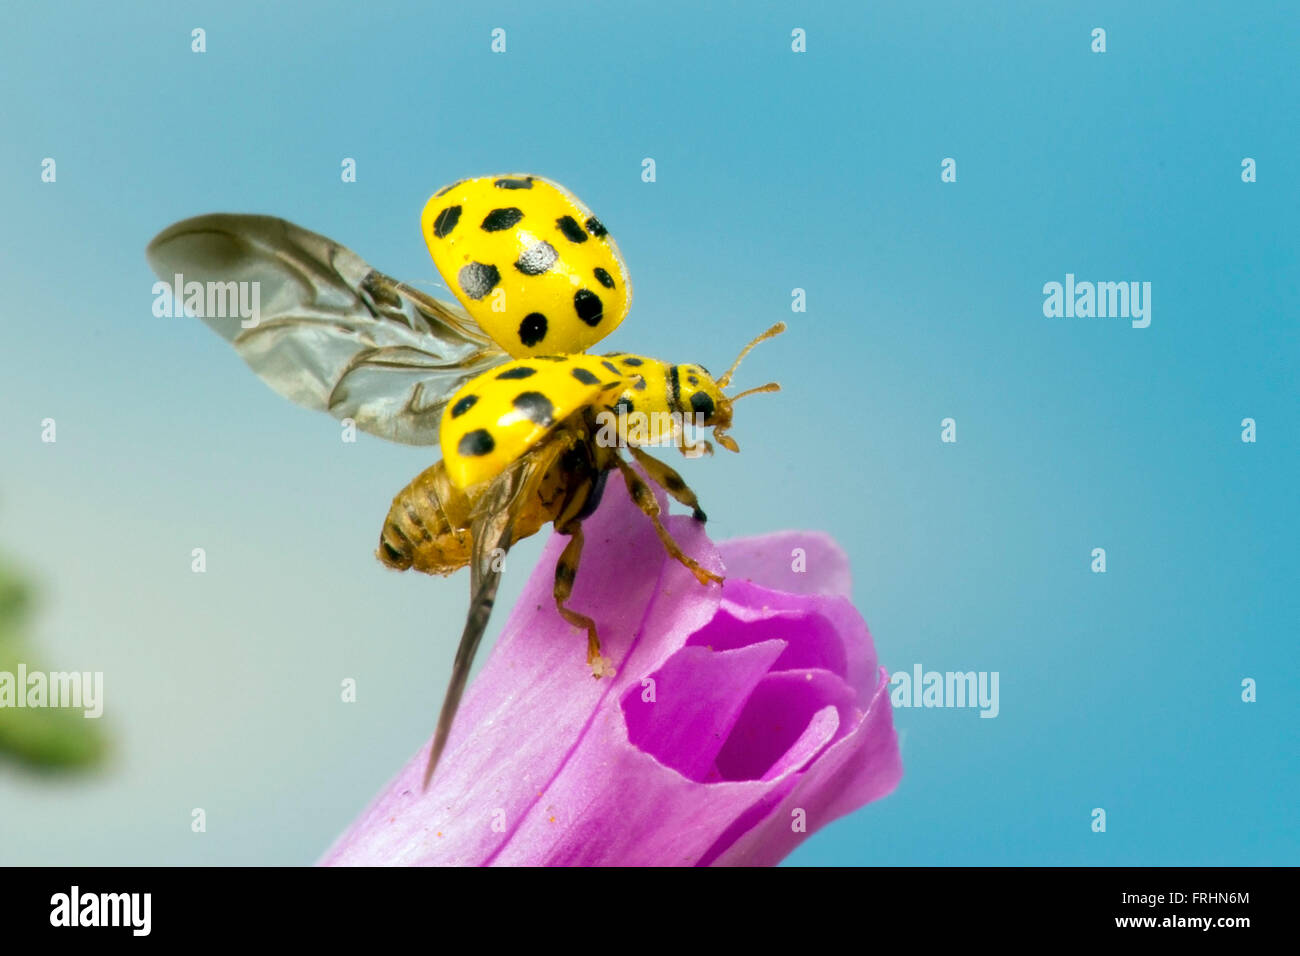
pixel 45 737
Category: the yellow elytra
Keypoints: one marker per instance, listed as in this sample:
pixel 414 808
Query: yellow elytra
pixel 530 263
pixel 496 418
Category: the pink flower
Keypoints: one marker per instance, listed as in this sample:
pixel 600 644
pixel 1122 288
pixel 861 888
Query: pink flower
pixel 740 718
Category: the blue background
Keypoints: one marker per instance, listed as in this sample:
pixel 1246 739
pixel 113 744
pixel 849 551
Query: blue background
pixel 775 170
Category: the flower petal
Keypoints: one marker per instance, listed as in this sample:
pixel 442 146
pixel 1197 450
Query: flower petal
pixel 821 730
pixel 772 696
pixel 698 695
pixel 534 699
pixel 862 766
pixel 772 560
pixel 775 717
pixel 822 631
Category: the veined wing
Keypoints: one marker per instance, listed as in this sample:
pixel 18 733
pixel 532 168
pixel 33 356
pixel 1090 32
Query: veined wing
pixel 494 518
pixel 331 332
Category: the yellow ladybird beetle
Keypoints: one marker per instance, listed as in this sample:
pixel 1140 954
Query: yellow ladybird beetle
pixel 529 425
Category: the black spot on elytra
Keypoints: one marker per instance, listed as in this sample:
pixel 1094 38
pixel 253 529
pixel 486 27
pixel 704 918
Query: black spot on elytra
pixel 537 259
pixel 633 361
pixel 519 371
pixel 623 406
pixel 603 277
pixel 499 219
pixel 692 379
pixel 532 329
pixel 525 183
pixel 640 384
pixel 477 443
pixel 572 231
pixel 701 403
pixel 611 366
pixel 536 407
pixel 588 306
pixel 464 405
pixel 446 221
pixel 446 189
pixel 585 377
pixel 550 358
pixel 477 280
pixel 596 227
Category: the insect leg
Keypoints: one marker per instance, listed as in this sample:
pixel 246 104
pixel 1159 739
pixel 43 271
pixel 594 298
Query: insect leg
pixel 697 450
pixel 645 500
pixel 566 572
pixel 669 480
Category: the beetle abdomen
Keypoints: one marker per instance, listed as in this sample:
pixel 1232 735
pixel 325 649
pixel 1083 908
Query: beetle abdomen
pixel 428 526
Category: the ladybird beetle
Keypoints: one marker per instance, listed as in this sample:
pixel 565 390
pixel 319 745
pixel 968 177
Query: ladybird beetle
pixel 500 381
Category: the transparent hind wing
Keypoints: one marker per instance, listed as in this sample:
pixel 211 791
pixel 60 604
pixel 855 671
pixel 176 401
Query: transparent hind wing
pixel 331 333
pixel 494 519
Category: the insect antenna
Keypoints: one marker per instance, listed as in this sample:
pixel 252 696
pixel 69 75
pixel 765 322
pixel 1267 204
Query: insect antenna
pixel 725 380
pixel 720 432
pixel 769 387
